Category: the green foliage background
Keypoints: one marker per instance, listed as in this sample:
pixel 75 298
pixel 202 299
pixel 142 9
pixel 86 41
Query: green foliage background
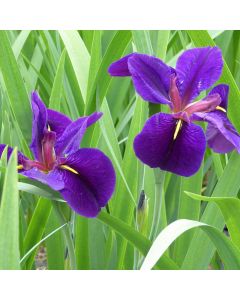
pixel 69 70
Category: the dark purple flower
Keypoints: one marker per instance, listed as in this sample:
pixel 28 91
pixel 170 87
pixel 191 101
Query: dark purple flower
pixel 84 177
pixel 171 141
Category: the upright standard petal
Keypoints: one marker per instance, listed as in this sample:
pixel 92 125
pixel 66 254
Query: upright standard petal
pixel 197 70
pixel 162 143
pixel 89 181
pixel 39 125
pixel 221 135
pixel 151 78
pixel 70 139
pixel 57 122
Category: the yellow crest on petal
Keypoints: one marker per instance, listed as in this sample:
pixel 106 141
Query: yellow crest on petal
pixel 177 129
pixel 65 167
pixel 221 108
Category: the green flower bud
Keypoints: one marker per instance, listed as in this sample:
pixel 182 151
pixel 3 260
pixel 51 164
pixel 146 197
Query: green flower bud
pixel 142 213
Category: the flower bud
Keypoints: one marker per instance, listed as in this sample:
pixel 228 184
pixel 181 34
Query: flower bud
pixel 142 213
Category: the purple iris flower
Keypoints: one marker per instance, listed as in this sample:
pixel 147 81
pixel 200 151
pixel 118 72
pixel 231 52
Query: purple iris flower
pixel 84 177
pixel 171 141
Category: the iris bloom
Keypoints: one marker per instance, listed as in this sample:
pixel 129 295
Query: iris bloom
pixel 84 177
pixel 172 141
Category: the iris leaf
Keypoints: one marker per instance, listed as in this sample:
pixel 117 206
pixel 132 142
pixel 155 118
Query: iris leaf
pixel 202 38
pixel 54 101
pixel 115 50
pixel 36 230
pixel 9 218
pixel 230 208
pixel 188 209
pixel 79 57
pixel 228 252
pixel 201 249
pixel 135 238
pixel 14 84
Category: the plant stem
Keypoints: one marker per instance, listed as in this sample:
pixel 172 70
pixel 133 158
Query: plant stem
pixel 67 235
pixel 157 211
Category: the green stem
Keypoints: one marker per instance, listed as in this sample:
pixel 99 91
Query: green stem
pixel 157 211
pixel 136 239
pixel 67 235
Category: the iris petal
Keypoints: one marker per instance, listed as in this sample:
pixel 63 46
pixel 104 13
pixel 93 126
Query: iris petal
pixel 57 122
pixel 222 90
pixel 39 125
pixel 53 178
pixel 70 139
pixel 120 67
pixel 90 189
pixel 155 145
pixel 151 76
pixel 221 135
pixel 197 70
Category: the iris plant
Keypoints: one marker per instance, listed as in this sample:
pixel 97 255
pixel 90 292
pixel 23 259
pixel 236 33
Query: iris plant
pixel 84 177
pixel 172 141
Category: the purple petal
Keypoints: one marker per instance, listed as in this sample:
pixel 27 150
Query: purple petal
pixel 221 135
pixel 39 123
pixel 222 90
pixel 70 139
pixel 21 157
pixel 151 78
pixel 54 178
pixel 156 146
pixel 120 67
pixel 93 186
pixel 197 70
pixel 57 121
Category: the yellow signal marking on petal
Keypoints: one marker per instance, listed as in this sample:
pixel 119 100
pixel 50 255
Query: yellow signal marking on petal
pixel 20 167
pixel 69 169
pixel 221 108
pixel 178 127
pixel 49 128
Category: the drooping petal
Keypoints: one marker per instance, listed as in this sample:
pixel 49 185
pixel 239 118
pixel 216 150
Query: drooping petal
pixel 54 178
pixel 222 90
pixel 197 70
pixel 157 146
pixel 39 125
pixel 57 121
pixel 221 135
pixel 21 157
pixel 120 67
pixel 70 139
pixel 93 186
pixel 151 78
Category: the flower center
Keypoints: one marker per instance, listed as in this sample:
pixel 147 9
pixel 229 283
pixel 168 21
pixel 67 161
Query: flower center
pixel 48 155
pixel 48 152
pixel 183 112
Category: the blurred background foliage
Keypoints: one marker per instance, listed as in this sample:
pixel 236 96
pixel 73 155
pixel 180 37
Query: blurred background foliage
pixel 69 70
